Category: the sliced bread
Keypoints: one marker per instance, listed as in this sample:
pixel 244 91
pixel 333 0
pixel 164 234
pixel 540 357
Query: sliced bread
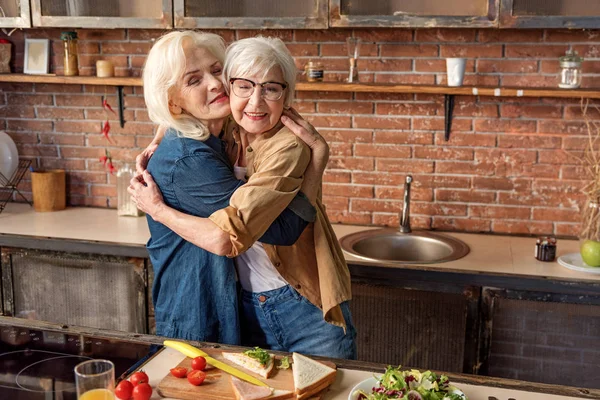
pixel 247 391
pixel 251 364
pixel 310 376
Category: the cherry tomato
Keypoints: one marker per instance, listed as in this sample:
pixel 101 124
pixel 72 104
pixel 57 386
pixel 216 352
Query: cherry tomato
pixel 123 390
pixel 179 372
pixel 142 391
pixel 138 377
pixel 199 363
pixel 196 377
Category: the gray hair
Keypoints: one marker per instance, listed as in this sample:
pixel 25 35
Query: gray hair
pixel 164 69
pixel 256 55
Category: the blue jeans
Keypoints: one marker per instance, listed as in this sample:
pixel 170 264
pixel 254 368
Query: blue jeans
pixel 284 320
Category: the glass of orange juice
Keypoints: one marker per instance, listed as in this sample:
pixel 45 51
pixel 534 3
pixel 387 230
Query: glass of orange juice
pixel 95 380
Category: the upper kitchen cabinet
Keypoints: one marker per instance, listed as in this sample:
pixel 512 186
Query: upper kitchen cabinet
pixel 413 14
pixel 14 14
pixel 103 14
pixel 549 13
pixel 251 14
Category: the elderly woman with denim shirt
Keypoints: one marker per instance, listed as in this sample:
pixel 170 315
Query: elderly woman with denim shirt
pixel 194 291
pixel 293 298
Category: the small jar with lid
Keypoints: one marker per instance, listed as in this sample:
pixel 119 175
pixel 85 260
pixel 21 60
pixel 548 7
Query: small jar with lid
pixel 314 71
pixel 70 44
pixel 570 70
pixel 545 248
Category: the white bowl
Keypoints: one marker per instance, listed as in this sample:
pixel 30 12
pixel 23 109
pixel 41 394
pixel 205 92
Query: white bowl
pixel 366 386
pixel 9 157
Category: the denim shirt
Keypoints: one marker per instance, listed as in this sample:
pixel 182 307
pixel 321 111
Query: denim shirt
pixel 194 291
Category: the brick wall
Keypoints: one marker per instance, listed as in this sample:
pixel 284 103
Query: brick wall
pixel 511 165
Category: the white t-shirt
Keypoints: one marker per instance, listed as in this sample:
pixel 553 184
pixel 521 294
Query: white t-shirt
pixel 256 272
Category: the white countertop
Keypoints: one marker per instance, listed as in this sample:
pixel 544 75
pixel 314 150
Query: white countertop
pixel 490 254
pixel 158 367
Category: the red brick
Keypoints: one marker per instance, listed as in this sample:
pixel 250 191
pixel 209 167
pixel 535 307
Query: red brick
pixel 351 163
pixel 409 50
pixel 468 139
pixel 23 137
pixel 464 196
pixel 336 203
pixel 535 51
pixel 133 128
pixel 340 149
pixel 407 79
pixel 563 127
pixel 461 224
pixel 504 125
pixel 418 222
pixel 430 65
pixel 90 60
pixel 443 153
pixel 530 111
pixel 547 199
pixel 336 176
pixel 320 96
pixel 35 150
pixel 499 212
pixel 377 178
pixel 558 157
pixel 101 190
pixel 29 125
pixel 345 217
pixel 529 81
pixel 375 205
pixel 330 107
pixel 16 112
pixel 381 151
pixel 79 100
pixel 577 112
pixel 506 156
pixel 573 172
pixel 406 109
pixel 473 80
pixel 77 126
pixel 58 163
pixel 441 181
pixel 587 51
pixel 340 50
pixel 576 143
pixel 403 137
pixel 348 190
pixel 28 99
pixel 529 141
pixel 523 227
pixel 445 209
pixel 562 186
pixel 381 122
pixel 385 65
pixel 464 167
pixel 383 35
pixel 437 124
pixel 507 66
pixel 126 47
pixel 571 35
pixel 397 193
pixel 284 34
pixel 142 141
pixel 302 106
pixel 510 35
pixel 529 170
pixel 470 109
pixel 413 166
pixel 320 35
pixel 329 121
pixel 115 141
pixel 346 135
pixel 567 229
pixel 384 96
pixel 134 102
pixel 98 35
pixel 80 152
pixel 445 35
pixel 99 114
pixel 471 50
pixel 125 155
pixel 63 139
pixel 16 87
pixel 556 214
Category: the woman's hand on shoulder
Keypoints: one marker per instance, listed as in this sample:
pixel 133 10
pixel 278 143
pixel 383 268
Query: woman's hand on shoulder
pixel 146 195
pixel 309 135
pixel 141 161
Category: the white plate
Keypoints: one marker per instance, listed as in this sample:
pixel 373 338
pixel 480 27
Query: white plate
pixel 366 386
pixel 9 157
pixel 575 262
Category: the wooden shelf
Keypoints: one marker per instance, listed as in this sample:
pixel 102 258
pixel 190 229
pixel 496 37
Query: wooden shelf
pixel 335 87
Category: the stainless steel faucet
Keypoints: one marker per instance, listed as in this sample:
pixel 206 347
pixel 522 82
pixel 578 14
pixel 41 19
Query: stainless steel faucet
pixel 405 216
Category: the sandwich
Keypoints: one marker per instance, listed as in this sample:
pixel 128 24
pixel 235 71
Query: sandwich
pixel 247 391
pixel 256 360
pixel 310 376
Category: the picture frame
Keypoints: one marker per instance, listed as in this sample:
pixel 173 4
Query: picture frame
pixel 37 56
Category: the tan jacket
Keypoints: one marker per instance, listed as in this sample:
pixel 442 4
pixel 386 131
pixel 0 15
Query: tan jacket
pixel 314 265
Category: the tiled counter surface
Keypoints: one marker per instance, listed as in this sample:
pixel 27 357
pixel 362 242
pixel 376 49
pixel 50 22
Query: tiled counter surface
pixel 490 254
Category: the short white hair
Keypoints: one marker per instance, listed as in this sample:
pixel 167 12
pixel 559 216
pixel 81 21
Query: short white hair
pixel 253 56
pixel 164 69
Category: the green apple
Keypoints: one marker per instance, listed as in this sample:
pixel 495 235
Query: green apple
pixel 590 252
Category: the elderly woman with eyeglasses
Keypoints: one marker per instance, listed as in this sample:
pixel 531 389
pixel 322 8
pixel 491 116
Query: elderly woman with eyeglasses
pixel 292 298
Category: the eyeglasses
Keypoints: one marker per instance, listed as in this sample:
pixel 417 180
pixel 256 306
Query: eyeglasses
pixel 271 91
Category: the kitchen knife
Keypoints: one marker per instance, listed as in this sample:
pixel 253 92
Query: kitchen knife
pixel 194 352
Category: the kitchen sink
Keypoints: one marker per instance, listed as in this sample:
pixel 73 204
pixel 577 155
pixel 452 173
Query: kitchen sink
pixel 392 246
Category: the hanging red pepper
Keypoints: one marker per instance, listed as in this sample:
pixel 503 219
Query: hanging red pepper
pixel 105 130
pixel 111 167
pixel 107 106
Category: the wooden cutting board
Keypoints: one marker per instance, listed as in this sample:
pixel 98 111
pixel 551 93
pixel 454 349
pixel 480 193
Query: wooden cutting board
pixel 217 385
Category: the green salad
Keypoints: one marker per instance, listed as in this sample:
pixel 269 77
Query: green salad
pixel 259 354
pixel 412 385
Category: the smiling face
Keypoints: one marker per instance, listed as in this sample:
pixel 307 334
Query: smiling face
pixel 200 92
pixel 255 114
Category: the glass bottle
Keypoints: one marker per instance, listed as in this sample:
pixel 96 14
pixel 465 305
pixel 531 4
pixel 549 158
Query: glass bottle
pixel 570 73
pixel 125 206
pixel 353 45
pixel 70 43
